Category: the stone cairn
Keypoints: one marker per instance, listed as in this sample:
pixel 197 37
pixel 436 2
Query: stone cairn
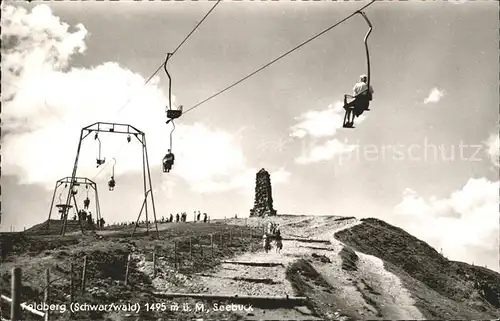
pixel 263 205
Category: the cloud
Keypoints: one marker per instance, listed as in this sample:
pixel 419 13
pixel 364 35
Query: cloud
pixel 314 125
pixel 323 123
pixel 167 188
pixel 280 176
pixel 326 151
pixel 203 153
pixel 243 181
pixel 33 44
pixel 467 219
pixel 434 96
pixel 48 102
pixel 493 148
pixel 457 2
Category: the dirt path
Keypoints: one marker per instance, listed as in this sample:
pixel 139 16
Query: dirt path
pixel 369 292
pixel 234 279
pixel 386 290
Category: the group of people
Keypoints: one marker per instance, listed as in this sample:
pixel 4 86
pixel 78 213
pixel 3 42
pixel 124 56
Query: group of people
pixel 130 223
pixel 182 217
pixel 273 228
pixel 272 232
pixel 179 217
pixel 197 214
pixel 83 216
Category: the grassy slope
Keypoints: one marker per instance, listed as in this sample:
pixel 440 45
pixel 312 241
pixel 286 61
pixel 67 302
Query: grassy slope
pixel 432 279
pixel 106 267
pixel 440 287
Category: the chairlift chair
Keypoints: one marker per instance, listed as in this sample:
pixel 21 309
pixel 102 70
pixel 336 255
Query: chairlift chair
pixel 99 160
pixel 360 102
pixel 63 208
pixel 171 113
pixel 174 113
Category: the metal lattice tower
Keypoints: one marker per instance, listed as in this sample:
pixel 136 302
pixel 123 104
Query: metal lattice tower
pixel 114 128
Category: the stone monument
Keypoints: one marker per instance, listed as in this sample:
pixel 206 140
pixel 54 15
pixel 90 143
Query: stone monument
pixel 263 205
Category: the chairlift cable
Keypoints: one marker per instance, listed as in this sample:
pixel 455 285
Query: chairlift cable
pixel 162 65
pixel 178 47
pixel 199 23
pixel 158 69
pixel 278 58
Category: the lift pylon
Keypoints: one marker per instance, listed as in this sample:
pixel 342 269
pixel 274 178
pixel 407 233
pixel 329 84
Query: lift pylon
pixel 129 130
pixel 64 208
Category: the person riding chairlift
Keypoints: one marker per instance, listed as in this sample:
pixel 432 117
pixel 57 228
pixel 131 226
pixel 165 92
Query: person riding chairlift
pixel 361 101
pixel 168 161
pixel 86 203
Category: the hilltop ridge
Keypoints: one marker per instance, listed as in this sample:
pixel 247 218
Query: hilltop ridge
pixel 347 268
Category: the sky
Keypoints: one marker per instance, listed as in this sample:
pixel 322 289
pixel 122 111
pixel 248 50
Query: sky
pixel 425 158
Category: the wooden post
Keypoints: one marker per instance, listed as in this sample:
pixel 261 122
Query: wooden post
pixel 47 293
pixel 84 274
pixel 15 307
pixel 176 265
pixel 245 222
pixel 127 269
pixel 154 263
pixel 71 288
pixel 212 243
pixel 221 240
pixel 231 237
pixel 1 315
pixel 191 247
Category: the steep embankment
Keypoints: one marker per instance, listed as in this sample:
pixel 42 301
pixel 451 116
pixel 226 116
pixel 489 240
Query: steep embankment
pixel 440 288
pixel 339 283
pixel 359 286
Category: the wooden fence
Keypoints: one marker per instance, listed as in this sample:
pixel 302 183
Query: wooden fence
pixel 16 307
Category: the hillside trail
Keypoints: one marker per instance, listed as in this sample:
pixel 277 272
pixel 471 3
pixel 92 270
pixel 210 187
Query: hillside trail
pixel 387 297
pixel 235 279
